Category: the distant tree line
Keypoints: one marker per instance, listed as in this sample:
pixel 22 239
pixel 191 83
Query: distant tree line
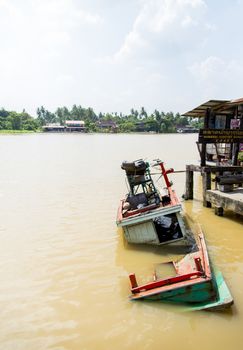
pixel 159 122
pixel 10 120
pixel 134 121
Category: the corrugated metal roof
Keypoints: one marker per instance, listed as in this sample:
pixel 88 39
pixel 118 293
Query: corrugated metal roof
pixel 231 104
pixel 199 111
pixel 74 122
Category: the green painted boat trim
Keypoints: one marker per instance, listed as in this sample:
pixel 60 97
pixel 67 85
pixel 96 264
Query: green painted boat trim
pixel 223 301
pixel 224 298
pixel 195 293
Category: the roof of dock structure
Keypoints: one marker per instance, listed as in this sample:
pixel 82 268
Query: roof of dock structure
pixel 200 110
pixel 220 106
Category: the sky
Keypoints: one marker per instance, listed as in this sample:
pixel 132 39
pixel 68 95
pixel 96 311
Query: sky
pixel 114 55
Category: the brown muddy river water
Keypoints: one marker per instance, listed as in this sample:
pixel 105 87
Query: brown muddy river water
pixel 64 265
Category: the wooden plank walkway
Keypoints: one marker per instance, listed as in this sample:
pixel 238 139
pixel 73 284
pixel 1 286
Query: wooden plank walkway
pixel 226 200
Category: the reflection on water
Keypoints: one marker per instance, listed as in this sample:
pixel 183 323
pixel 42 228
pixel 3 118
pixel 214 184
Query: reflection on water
pixel 64 265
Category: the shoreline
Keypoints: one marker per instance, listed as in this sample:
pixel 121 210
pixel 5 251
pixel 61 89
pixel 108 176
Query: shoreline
pixel 92 132
pixel 18 131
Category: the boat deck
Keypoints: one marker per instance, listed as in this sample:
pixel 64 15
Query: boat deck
pixel 191 270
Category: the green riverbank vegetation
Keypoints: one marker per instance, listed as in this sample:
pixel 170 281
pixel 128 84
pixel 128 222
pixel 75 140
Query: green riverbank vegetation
pixel 135 121
pixel 11 121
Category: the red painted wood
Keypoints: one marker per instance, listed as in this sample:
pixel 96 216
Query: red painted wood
pixel 142 210
pixel 198 264
pixel 165 172
pixel 119 211
pixel 173 197
pixel 167 281
pixel 133 280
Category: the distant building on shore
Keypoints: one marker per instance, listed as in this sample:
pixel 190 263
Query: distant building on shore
pixel 75 125
pixel 70 126
pixel 54 127
pixel 107 125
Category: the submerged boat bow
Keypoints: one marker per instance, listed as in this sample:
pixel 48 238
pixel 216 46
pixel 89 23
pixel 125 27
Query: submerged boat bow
pixel 194 283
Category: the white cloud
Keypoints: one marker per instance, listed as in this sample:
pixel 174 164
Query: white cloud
pixel 215 74
pixel 133 42
pixel 209 69
pixel 88 17
pixel 10 8
pixel 163 23
pixel 43 22
pixel 187 21
pixel 65 79
pixel 63 13
pixel 215 69
pixel 115 55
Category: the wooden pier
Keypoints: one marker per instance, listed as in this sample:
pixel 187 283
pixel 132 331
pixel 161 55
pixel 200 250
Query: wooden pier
pixel 220 200
pixel 231 201
pixel 219 143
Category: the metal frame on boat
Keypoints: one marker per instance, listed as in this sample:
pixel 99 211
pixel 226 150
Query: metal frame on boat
pixel 145 215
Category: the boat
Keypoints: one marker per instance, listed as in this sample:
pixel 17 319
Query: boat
pixel 194 283
pixel 187 129
pixel 148 217
pixel 145 215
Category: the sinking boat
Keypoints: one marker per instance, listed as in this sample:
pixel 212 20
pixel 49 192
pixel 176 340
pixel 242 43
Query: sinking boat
pixel 145 215
pixel 194 283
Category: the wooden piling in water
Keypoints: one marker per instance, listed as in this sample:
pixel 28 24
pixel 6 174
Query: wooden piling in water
pixel 206 182
pixel 189 183
pixel 190 169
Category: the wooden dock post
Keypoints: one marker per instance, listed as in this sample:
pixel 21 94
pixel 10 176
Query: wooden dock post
pixel 206 182
pixel 219 211
pixel 189 183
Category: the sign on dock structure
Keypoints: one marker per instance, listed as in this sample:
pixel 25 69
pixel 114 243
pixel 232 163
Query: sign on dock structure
pixel 223 125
